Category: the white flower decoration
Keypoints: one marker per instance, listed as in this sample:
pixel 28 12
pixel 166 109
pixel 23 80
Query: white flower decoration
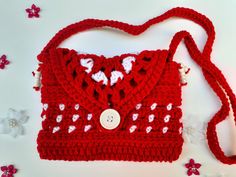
pixel 13 123
pixel 194 130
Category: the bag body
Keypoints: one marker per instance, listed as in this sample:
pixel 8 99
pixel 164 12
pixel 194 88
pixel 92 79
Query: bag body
pixel 127 107
pixel 147 100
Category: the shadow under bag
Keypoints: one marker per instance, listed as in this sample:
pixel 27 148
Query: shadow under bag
pixel 127 107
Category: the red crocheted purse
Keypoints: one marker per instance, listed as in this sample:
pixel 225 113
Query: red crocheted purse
pixel 126 107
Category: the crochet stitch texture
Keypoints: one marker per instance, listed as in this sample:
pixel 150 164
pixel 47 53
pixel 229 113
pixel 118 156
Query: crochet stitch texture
pixel 139 95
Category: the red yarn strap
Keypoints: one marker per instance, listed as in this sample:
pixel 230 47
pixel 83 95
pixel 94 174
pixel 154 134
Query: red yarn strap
pixel 136 29
pixel 220 86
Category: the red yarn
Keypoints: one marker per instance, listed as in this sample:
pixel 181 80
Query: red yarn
pixel 147 98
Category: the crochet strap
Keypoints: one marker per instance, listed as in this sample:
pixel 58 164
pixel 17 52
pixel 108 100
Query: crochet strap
pixel 220 86
pixel 212 74
pixel 135 29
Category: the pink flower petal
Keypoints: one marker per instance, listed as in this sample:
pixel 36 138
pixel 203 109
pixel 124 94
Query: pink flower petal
pixel 28 10
pixel 10 167
pixel 197 165
pixel 196 172
pixel 4 175
pixel 4 168
pixel 191 162
pixel 189 172
pixel 3 57
pixel 30 15
pixel 36 15
pixel 33 6
pixel 187 165
pixel 7 62
pixel 37 9
pixel 14 171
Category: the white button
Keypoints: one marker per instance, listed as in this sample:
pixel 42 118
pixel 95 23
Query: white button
pixel 110 119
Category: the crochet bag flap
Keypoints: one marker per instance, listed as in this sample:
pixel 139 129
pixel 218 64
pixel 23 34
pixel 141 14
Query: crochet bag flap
pixel 126 107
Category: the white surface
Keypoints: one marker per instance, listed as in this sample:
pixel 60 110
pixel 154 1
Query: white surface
pixel 22 39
